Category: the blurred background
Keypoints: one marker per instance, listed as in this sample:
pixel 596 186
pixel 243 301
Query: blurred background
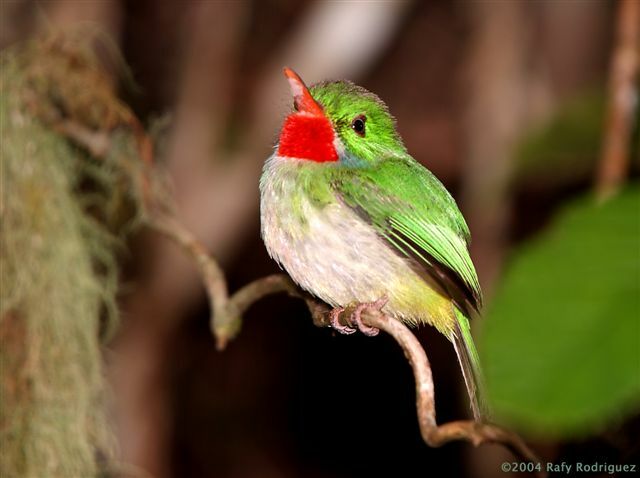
pixel 504 101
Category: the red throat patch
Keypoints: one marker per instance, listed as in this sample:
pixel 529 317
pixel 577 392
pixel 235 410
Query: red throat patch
pixel 307 137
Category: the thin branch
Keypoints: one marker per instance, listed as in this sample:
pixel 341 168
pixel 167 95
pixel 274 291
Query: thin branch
pixel 623 99
pixel 225 325
pixel 212 275
pixel 227 311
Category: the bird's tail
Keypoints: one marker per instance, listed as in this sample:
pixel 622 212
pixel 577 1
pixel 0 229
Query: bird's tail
pixel 470 364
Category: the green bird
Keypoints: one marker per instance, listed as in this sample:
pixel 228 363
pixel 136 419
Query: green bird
pixel 357 222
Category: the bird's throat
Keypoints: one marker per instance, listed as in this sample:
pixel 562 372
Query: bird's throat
pixel 308 137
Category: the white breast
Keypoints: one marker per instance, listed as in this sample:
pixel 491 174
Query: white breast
pixel 328 250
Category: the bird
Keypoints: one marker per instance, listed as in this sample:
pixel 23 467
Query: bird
pixel 358 223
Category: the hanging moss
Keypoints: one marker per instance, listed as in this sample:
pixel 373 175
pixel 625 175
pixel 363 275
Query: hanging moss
pixel 58 270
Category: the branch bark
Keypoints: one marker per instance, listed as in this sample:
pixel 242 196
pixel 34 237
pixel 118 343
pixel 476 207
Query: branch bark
pixel 623 100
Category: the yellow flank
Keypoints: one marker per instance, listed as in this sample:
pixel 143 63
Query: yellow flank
pixel 412 301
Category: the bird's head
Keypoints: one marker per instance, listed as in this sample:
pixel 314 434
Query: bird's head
pixel 337 122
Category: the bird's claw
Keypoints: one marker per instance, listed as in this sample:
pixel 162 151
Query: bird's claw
pixel 334 317
pixel 356 318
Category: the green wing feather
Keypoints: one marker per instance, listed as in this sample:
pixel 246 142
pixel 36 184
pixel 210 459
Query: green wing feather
pixel 416 214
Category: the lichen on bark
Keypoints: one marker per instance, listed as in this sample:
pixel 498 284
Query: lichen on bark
pixel 58 268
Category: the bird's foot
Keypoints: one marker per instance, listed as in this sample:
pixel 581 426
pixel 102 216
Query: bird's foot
pixel 355 318
pixel 334 317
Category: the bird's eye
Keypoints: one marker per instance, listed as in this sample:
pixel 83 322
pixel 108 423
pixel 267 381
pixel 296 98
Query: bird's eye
pixel 358 124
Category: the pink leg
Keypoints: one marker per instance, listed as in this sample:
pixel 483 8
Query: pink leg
pixel 335 322
pixel 357 313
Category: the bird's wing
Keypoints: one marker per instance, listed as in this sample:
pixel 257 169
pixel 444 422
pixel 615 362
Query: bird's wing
pixel 417 216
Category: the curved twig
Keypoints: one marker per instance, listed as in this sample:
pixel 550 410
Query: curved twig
pixel 226 324
pixel 226 310
pixel 212 275
pixel 433 434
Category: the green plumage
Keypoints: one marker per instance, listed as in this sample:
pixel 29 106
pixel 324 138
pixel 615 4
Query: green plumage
pixel 413 211
pixel 374 223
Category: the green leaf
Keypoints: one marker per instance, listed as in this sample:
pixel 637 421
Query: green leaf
pixel 561 342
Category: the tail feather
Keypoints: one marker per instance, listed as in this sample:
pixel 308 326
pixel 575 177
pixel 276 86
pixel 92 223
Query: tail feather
pixel 470 365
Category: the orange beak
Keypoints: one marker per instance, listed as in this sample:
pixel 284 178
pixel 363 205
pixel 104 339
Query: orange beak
pixel 301 96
